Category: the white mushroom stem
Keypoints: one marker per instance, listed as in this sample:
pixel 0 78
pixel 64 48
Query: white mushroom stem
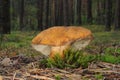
pixel 50 50
pixel 59 50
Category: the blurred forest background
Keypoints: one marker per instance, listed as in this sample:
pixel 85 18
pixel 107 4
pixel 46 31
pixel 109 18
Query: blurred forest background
pixel 25 15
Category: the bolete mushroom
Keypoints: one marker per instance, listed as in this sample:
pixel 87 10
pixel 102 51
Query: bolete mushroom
pixel 59 38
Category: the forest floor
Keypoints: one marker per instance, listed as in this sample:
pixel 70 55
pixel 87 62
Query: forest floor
pixel 19 61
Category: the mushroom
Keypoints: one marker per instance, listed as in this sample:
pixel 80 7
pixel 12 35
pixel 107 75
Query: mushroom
pixel 57 39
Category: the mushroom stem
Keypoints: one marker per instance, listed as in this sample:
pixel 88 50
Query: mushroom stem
pixel 58 50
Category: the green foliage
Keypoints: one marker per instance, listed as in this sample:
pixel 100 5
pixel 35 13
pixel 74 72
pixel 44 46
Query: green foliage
pixel 95 28
pixel 75 59
pixel 30 19
pixel 72 59
pixel 57 77
pixel 56 62
pixel 103 38
pixel 31 10
pixel 13 38
pixel 78 58
pixel 113 50
pixel 15 23
pixel 84 19
pixel 99 76
pixel 17 39
pixel 109 56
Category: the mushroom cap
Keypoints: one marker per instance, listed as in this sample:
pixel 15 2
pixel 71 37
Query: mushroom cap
pixel 60 35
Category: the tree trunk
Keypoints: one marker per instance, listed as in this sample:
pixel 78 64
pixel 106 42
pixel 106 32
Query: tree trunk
pixel 58 12
pixel 65 13
pixel 52 18
pixel 108 15
pixel 103 13
pixel 98 19
pixel 40 14
pixel 117 15
pixel 79 12
pixel 46 14
pixel 70 12
pixel 1 17
pixel 49 13
pixel 22 15
pixel 61 13
pixel 89 11
pixel 5 15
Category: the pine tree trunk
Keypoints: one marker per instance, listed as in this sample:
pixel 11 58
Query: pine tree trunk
pixel 61 13
pixel 50 13
pixel 40 14
pixel 58 12
pixel 108 15
pixel 89 11
pixel 70 12
pixel 79 12
pixel 45 13
pixel 117 15
pixel 98 19
pixel 65 13
pixel 5 15
pixel 22 15
pixel 52 19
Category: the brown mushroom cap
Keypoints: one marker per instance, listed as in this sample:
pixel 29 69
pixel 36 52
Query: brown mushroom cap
pixel 57 36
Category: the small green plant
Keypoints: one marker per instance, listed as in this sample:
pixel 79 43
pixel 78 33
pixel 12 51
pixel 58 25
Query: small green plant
pixel 78 58
pixel 57 77
pixel 51 63
pixel 99 76
pixel 84 78
pixel 57 61
pixel 72 59
pixel 113 50
pixel 110 58
pixel 13 38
